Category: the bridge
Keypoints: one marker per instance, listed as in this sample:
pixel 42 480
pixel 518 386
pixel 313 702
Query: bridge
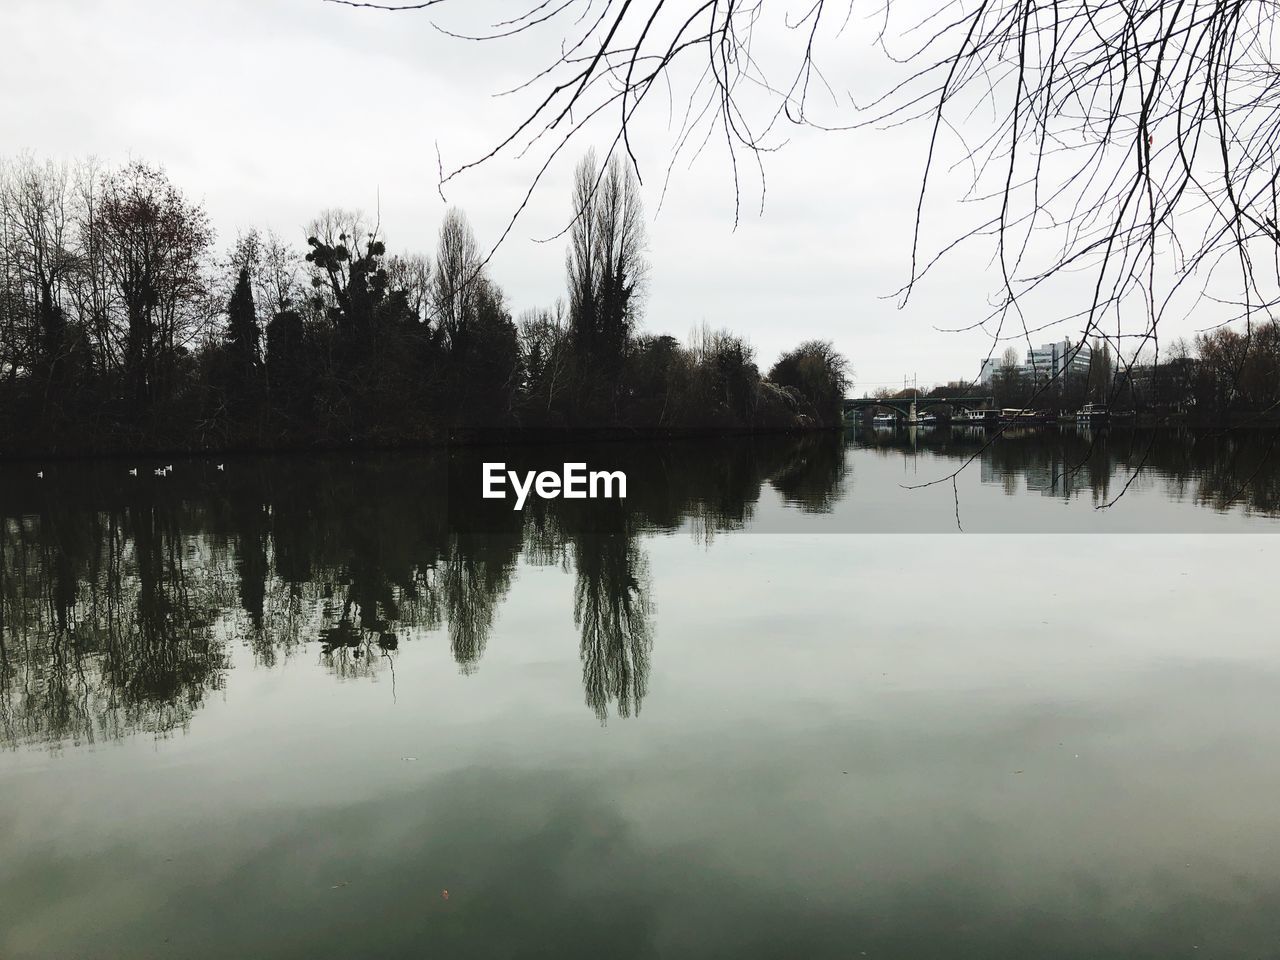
pixel 909 408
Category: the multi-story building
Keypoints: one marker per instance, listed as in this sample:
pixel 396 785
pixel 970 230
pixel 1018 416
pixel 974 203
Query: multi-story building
pixel 1061 360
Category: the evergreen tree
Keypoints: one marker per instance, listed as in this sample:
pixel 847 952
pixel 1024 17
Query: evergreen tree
pixel 242 326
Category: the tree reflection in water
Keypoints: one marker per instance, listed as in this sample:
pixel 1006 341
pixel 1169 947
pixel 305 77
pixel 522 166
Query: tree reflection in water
pixel 1217 469
pixel 120 597
pixel 105 621
pixel 611 609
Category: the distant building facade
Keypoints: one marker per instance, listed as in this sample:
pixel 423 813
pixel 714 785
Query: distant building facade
pixel 1062 360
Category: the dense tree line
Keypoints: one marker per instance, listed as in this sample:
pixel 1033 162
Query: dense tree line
pixel 122 326
pixel 1225 370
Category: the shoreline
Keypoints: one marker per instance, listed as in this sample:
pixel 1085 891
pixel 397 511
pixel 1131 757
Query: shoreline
pixel 459 439
pixel 464 439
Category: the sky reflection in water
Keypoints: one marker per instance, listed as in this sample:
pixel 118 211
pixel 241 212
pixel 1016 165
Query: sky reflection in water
pixel 279 711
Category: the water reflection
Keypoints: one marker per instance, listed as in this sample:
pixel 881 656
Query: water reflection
pixel 106 622
pixel 120 598
pixel 1076 758
pixel 1211 468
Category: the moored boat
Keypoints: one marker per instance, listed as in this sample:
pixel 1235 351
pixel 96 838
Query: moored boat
pixel 975 418
pixel 1093 414
pixel 1026 417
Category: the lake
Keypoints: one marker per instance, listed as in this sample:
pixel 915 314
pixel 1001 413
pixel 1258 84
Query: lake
pixel 336 706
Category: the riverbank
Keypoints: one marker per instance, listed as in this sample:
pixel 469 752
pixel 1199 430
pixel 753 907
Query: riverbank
pixel 1227 420
pixel 461 437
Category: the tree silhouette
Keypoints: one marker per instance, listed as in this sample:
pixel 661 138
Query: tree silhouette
pixel 606 271
pixel 242 327
pixel 152 242
pixel 121 287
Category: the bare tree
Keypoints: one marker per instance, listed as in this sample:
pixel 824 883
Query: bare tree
pixel 1122 152
pixel 1009 361
pixel 545 355
pixel 37 207
pixel 16 338
pixel 458 276
pixel 153 243
pixel 581 262
pixel 605 262
pixel 620 250
pixel 411 273
pixel 337 225
pixel 333 239
pixel 93 294
pixel 272 266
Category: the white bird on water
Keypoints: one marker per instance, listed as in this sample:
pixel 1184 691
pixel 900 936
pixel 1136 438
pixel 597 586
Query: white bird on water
pixel 133 472
pixel 39 474
pixel 160 473
pixel 221 467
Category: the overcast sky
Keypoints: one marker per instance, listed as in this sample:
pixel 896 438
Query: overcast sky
pixel 270 110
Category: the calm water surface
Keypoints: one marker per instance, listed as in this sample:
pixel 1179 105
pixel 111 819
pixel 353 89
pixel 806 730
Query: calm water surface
pixel 314 708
